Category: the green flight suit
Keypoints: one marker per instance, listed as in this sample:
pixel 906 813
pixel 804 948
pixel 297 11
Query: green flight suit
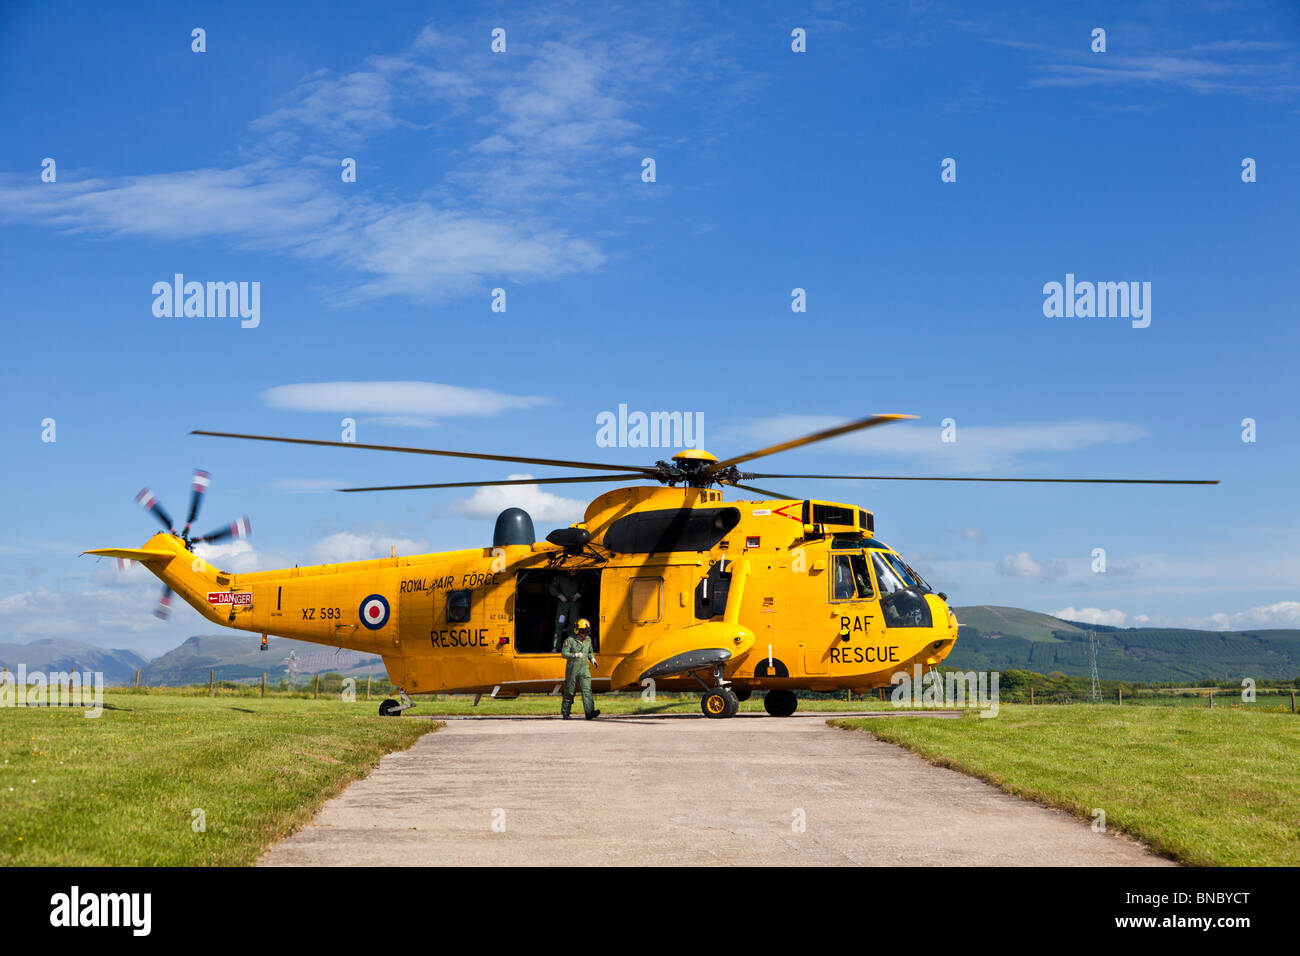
pixel 577 673
pixel 568 608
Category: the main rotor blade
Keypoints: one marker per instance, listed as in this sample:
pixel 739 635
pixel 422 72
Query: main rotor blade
pixel 761 491
pixel 556 462
pixel 809 439
pixel 1063 481
pixel 505 481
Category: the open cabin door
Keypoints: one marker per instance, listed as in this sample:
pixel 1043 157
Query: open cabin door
pixel 539 594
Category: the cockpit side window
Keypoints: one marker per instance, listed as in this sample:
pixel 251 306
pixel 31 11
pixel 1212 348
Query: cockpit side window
pixel 861 577
pixel 841 578
pixel 850 580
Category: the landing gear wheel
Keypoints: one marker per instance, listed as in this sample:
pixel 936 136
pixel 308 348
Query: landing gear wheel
pixel 743 695
pixel 780 703
pixel 719 702
pixel 390 708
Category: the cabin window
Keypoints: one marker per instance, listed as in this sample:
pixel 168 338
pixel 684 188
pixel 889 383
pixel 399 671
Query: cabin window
pixel 458 607
pixel 645 600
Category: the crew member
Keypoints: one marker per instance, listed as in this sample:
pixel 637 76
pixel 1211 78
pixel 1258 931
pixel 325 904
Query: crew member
pixel 577 656
pixel 565 590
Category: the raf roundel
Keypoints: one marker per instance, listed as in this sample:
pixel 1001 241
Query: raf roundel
pixel 374 612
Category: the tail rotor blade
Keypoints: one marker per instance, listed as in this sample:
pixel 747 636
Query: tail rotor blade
pixel 198 488
pixel 239 528
pixel 147 500
pixel 164 608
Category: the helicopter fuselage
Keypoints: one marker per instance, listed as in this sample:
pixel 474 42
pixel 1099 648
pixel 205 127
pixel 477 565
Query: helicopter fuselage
pixel 789 594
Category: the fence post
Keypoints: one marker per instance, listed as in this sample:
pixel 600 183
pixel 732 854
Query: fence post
pixel 1121 696
pixel 1031 694
pixel 137 678
pixel 368 689
pixel 1293 702
pixel 263 683
pixel 315 687
pixel 212 681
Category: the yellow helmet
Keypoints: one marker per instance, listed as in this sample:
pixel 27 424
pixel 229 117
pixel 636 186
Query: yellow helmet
pixel 582 626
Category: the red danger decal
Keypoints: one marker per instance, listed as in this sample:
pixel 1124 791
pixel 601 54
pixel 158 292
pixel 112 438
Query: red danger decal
pixel 235 598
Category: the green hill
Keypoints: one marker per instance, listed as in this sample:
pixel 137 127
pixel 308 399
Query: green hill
pixel 1003 638
pixel 993 622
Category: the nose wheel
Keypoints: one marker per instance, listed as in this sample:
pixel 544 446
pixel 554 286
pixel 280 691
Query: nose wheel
pixel 719 702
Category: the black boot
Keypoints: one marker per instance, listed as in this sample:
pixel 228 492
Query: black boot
pixel 593 715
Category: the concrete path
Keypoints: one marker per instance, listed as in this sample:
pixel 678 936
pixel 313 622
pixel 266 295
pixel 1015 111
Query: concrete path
pixel 676 791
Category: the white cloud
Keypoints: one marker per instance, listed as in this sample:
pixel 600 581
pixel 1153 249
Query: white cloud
pixel 408 248
pixel 973 534
pixel 1283 614
pixel 123 612
pixel 548 128
pixel 1093 615
pixel 542 506
pixel 346 546
pixel 978 448
pixel 398 402
pixel 234 556
pixel 1022 565
pixel 364 103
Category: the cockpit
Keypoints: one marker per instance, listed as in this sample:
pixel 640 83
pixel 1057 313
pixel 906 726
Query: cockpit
pixel 901 589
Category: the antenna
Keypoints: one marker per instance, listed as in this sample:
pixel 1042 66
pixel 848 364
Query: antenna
pixel 1094 689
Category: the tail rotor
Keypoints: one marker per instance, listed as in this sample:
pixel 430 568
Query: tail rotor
pixel 199 484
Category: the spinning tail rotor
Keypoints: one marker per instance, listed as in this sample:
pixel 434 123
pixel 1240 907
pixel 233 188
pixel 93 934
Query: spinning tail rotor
pixel 199 483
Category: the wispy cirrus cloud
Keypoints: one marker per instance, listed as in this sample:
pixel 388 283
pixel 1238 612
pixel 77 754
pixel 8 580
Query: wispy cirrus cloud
pixel 411 404
pixel 1237 66
pixel 519 140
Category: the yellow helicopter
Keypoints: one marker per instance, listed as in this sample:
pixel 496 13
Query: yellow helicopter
pixel 685 591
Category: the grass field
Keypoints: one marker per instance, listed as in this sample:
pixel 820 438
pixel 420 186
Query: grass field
pixel 121 789
pixel 1206 787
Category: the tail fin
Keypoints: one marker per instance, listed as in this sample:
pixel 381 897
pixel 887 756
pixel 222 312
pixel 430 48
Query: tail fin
pixel 189 576
pixel 143 555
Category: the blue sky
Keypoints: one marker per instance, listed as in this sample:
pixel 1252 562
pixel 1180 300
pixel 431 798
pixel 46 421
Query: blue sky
pixel 775 170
